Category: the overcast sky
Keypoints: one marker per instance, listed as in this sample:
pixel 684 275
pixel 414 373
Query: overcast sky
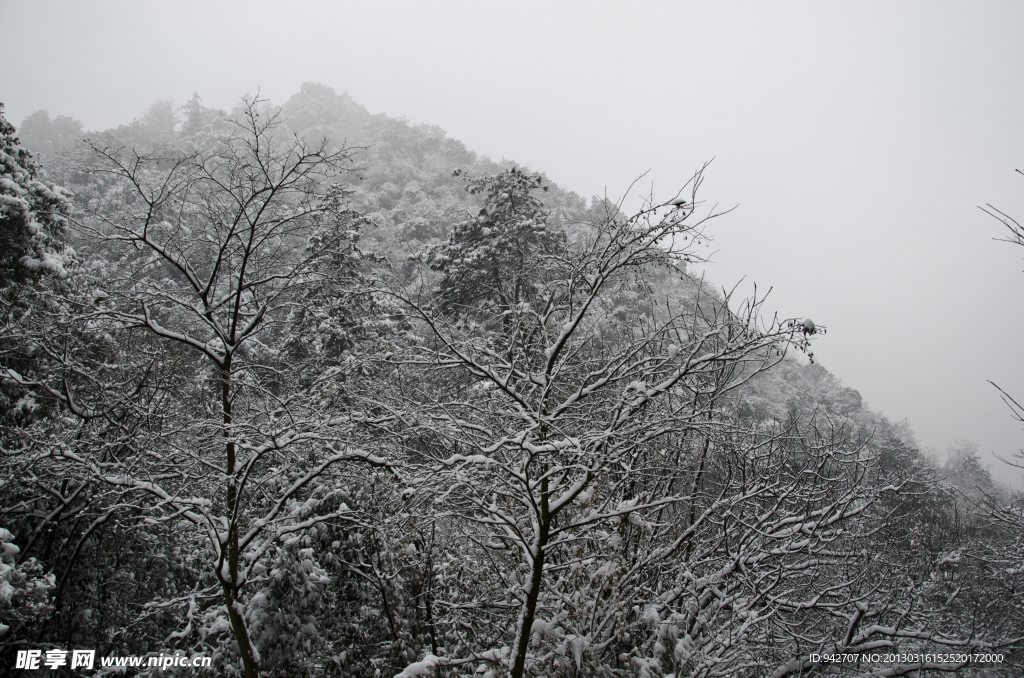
pixel 857 138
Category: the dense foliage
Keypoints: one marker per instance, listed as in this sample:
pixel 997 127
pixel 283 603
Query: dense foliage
pixel 316 392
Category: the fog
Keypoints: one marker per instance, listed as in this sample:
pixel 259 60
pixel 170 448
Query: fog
pixel 857 139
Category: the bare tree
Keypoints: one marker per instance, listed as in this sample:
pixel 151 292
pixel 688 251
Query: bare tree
pixel 541 416
pixel 1015 237
pixel 219 258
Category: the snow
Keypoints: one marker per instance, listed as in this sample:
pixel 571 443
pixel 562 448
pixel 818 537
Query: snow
pixel 423 667
pixel 498 655
pixel 543 628
pixel 471 459
pixel 6 592
pixel 577 645
pixel 651 615
pixel 219 625
pixel 646 668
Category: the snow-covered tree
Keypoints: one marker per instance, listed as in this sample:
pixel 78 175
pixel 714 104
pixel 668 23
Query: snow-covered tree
pixel 539 410
pixel 495 260
pixel 33 215
pixel 584 462
pixel 207 410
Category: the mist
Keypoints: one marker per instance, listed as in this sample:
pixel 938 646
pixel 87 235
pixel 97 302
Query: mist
pixel 854 152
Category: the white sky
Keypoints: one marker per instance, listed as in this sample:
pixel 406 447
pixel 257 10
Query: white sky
pixel 858 139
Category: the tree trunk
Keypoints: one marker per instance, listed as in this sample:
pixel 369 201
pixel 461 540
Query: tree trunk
pixel 231 587
pixel 252 669
pixel 536 579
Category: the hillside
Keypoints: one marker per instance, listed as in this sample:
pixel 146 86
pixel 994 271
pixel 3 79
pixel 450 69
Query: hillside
pixel 404 182
pixel 311 391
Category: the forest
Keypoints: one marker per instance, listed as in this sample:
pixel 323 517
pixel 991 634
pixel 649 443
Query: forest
pixel 315 392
